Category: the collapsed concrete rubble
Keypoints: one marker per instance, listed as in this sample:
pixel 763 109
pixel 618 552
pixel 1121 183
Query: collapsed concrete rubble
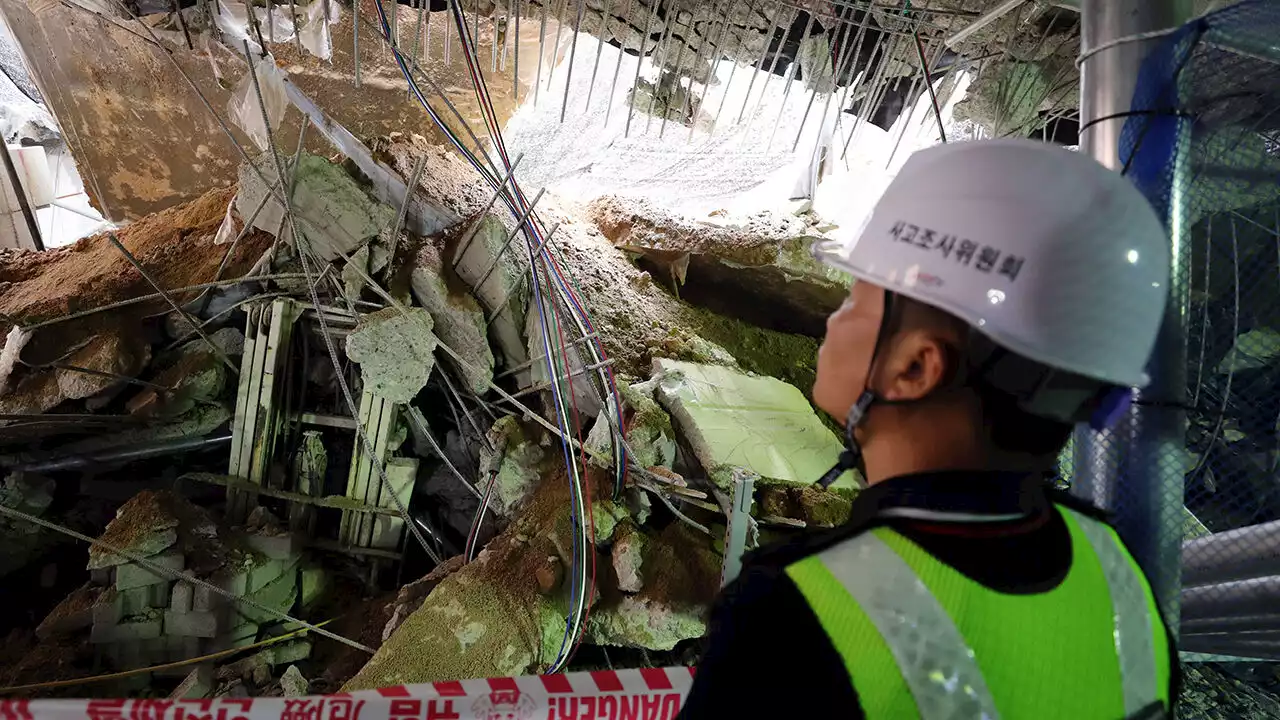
pixel 256 447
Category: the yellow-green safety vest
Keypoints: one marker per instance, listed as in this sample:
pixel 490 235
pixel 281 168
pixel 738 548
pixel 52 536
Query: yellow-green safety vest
pixel 921 640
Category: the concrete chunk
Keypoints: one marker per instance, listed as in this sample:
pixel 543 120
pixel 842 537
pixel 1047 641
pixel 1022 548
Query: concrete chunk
pixel 183 595
pixel 191 624
pixel 339 214
pixel 395 352
pixel 459 319
pixel 135 576
pixel 758 423
pixel 285 546
pixel 293 684
pixel 504 294
pixel 144 526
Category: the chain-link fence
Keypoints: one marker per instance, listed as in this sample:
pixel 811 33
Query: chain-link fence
pixel 1201 141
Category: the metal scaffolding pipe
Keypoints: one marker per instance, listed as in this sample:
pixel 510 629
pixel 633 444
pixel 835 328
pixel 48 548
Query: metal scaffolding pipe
pixel 1250 552
pixel 1259 650
pixel 134 452
pixel 1259 596
pixel 1242 623
pixel 1144 450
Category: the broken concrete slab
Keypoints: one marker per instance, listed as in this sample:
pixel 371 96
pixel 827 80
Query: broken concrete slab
pixel 627 556
pixel 504 293
pixel 758 269
pixel 146 525
pixel 490 617
pixel 293 684
pixel 117 353
pixel 335 214
pixel 650 434
pixel 680 576
pixel 761 424
pixel 516 459
pixel 395 352
pixel 572 363
pixel 459 319
pixel 411 596
pixel 73 614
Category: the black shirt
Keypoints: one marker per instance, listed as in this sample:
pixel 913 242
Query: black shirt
pixel 768 657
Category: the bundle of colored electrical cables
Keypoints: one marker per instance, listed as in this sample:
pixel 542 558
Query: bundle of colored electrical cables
pixel 558 302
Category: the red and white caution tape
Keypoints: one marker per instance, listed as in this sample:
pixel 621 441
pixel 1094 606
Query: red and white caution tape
pixel 649 694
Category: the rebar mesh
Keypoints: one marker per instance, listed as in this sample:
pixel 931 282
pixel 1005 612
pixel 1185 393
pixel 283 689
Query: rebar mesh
pixel 1200 141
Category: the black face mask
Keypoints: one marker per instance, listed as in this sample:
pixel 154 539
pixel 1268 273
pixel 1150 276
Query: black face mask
pixel 851 457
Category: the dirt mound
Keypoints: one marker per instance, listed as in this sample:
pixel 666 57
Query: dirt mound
pixel 175 246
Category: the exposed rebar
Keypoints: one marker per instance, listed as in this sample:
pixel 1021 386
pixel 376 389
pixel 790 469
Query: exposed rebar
pixel 217 351
pixel 519 228
pixel 635 85
pixel 573 52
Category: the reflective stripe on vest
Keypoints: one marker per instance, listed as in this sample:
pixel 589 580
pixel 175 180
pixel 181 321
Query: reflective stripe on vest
pixel 1133 626
pixel 937 666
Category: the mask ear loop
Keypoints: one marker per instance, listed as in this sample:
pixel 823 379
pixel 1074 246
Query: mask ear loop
pixel 852 453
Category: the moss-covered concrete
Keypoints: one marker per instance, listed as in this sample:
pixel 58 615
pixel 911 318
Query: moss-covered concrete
pixel 757 423
pixel 680 577
pixel 813 505
pixel 395 352
pixel 489 618
pixel 650 435
pixel 517 459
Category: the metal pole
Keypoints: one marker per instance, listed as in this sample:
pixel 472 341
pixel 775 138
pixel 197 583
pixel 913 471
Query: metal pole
pixel 20 193
pixel 1135 469
pixel 604 30
pixel 573 52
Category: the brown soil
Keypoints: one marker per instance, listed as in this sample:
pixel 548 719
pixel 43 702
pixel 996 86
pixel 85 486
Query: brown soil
pixel 362 621
pixel 680 568
pixel 26 659
pixel 175 246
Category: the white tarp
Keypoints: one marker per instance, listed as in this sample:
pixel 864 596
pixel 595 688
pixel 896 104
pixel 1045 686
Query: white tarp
pixel 244 109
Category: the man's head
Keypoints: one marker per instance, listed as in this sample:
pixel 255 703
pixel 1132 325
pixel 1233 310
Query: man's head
pixel 929 416
pixel 1025 283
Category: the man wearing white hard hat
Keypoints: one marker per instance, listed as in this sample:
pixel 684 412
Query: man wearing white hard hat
pixel 1004 292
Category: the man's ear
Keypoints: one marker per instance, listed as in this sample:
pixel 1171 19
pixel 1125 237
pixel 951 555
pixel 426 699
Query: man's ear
pixel 918 364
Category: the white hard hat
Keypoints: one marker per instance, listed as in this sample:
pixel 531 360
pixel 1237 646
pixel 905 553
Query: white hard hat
pixel 1043 250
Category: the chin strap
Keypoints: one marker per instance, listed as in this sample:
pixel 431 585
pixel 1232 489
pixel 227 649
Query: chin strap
pixel 852 453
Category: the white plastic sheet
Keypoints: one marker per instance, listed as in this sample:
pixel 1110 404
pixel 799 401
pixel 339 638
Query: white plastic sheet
pixel 243 107
pixel 233 21
pixel 314 31
pixel 227 230
pixel 278 26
